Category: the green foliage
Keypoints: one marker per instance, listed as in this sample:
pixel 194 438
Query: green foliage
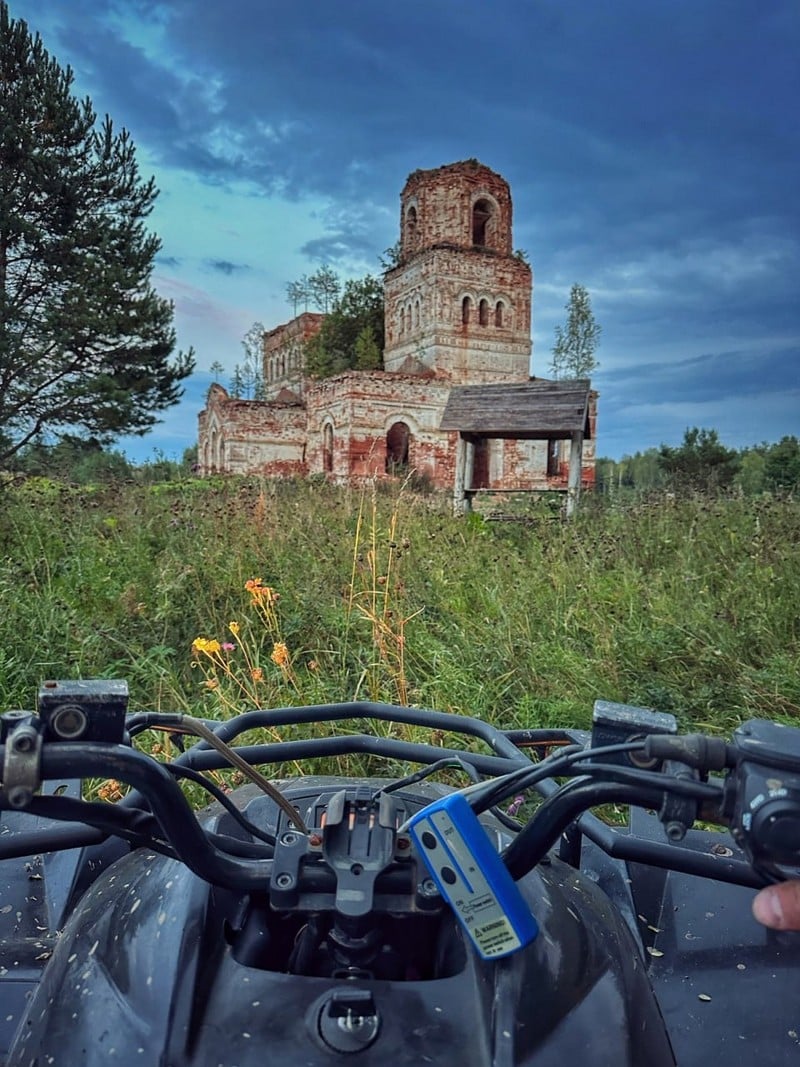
pixel 391 257
pixel 367 354
pixel 73 459
pixel 352 331
pixel 782 464
pixel 85 341
pixel 320 289
pixel 701 464
pixel 687 605
pixel 750 477
pixel 324 286
pixel 640 471
pixel 575 345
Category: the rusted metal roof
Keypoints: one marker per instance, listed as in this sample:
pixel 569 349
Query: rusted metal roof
pixel 528 411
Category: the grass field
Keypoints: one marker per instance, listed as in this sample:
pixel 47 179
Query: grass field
pixel 685 606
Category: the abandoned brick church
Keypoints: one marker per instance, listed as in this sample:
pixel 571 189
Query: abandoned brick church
pixel 457 313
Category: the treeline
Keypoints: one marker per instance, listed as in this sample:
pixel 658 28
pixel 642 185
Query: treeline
pixel 88 463
pixel 701 463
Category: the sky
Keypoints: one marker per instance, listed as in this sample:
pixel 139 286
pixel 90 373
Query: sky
pixel 652 148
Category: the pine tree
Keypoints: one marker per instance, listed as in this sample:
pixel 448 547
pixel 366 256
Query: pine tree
pixel 575 345
pixel 701 463
pixel 367 353
pixel 85 341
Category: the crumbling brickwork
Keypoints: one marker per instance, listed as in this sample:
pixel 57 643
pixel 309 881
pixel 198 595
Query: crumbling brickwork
pixel 282 354
pixel 458 301
pixel 457 311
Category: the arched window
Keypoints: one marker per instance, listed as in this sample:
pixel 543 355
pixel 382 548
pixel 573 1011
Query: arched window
pixel 498 313
pixel 327 448
pixel 466 305
pixel 411 228
pixel 416 314
pixel 408 320
pixel 481 213
pixel 398 441
pixel 483 313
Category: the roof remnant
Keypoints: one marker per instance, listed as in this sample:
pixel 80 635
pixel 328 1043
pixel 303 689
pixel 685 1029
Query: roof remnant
pixel 535 410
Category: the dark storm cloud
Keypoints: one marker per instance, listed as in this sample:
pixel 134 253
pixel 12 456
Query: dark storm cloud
pixel 603 122
pixel 652 151
pixel 224 266
pixel 708 377
pixel 339 247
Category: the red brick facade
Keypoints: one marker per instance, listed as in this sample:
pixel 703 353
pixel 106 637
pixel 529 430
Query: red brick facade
pixel 457 311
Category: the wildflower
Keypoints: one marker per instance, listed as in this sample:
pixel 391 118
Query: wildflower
pixel 280 655
pixel 260 593
pixel 515 805
pixel 110 790
pixel 211 683
pixel 257 674
pixel 203 644
pixel 234 628
pixel 227 646
pixel 313 665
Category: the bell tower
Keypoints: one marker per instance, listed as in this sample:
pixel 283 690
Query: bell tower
pixel 458 303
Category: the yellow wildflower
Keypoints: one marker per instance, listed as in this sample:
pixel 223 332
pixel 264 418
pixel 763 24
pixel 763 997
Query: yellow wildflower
pixel 208 645
pixel 257 674
pixel 234 628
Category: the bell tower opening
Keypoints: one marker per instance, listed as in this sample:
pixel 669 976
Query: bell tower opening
pixel 411 235
pixel 457 293
pixel 481 215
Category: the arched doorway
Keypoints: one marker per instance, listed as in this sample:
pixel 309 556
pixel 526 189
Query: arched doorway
pixel 398 446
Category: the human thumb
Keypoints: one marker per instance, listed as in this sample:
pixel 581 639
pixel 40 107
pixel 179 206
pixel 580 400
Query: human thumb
pixel 778 906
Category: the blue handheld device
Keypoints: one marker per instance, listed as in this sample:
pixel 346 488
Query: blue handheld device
pixel 471 876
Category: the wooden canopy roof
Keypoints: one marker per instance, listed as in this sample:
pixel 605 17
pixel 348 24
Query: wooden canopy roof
pixel 535 410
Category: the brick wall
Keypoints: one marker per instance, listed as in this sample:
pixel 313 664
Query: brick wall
pixel 456 246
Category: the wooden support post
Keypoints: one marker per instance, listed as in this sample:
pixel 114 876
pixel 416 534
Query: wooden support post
pixel 575 466
pixel 465 460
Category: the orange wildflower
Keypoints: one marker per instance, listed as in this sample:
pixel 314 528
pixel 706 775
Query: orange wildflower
pixel 280 655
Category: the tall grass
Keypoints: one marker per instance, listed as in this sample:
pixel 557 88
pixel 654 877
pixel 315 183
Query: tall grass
pixel 689 607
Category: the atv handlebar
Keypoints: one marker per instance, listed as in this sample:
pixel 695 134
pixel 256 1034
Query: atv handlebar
pixel 757 797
